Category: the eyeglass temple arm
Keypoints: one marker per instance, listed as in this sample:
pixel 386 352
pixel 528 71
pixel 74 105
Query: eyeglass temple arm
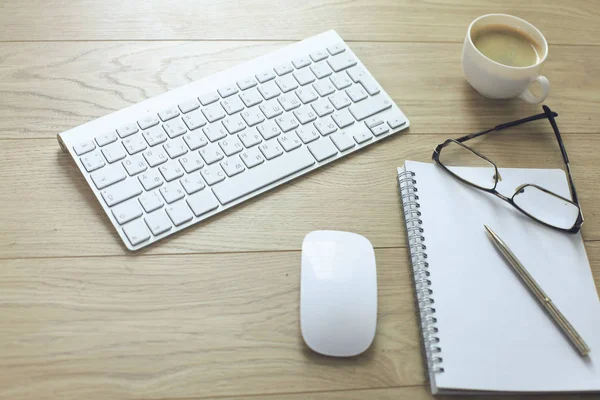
pixel 510 125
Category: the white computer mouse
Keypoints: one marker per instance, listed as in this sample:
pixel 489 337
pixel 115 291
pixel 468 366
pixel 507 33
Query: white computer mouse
pixel 338 293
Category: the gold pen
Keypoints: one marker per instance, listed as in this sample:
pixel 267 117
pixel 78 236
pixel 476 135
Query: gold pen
pixel 539 294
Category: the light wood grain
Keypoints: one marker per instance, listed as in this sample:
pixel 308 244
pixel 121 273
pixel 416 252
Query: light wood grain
pixel 380 20
pixel 47 88
pixel 185 326
pixel 50 211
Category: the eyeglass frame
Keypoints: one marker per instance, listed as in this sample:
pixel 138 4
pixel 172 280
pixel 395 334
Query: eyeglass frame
pixel 547 114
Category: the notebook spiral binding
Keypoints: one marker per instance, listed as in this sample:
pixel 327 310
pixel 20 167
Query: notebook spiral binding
pixel 421 275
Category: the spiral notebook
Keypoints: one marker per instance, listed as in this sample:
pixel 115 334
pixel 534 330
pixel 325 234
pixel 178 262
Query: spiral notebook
pixel 482 330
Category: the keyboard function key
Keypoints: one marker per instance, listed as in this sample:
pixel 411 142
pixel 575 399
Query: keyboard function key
pixel 208 98
pixel 373 121
pixel 228 90
pixel 357 73
pixel 135 164
pixel 84 147
pixel 362 136
pixel 134 144
pixel 319 55
pixel 175 148
pixel 158 222
pixel 191 162
pixel 380 129
pixel 179 213
pixel 136 232
pixel 192 183
pixel 212 174
pixel 246 83
pixel 172 192
pixel 151 201
pixel 396 121
pixel 341 62
pixel 322 149
pixel 270 149
pixel 114 152
pixel 105 139
pixel 232 166
pixel 189 106
pixel 194 120
pixel 168 114
pixel 150 179
pixel 283 69
pixel 252 157
pixel 127 211
pixel 301 62
pixel 147 122
pixel 265 76
pixel 369 107
pixel 370 85
pixel 203 202
pixel 127 130
pixel 120 192
pixel 175 128
pixel 107 176
pixel 321 70
pixel 342 140
pixel 336 49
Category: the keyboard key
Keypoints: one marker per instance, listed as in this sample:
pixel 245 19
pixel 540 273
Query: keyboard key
pixel 319 55
pixel 340 81
pixel 201 203
pixel 208 98
pixel 155 135
pixel 232 166
pixel 107 176
pixel 306 95
pixel 286 122
pixel 250 138
pixel 305 114
pixel 339 100
pixel 114 152
pixel 171 170
pixel 120 192
pixel 211 154
pixel 324 87
pixel 342 140
pixel 289 141
pixel 271 108
pixel 104 139
pixel 214 112
pixel 322 107
pixel 396 121
pixel 343 118
pixel 336 49
pixel 235 123
pixel 289 101
pixel 322 149
pixel 373 121
pixel 252 116
pixel 192 183
pixel 215 132
pixel 252 157
pixel 362 136
pixel 158 222
pixel 168 114
pixel 370 106
pixel 212 174
pixel 84 147
pixel 263 175
pixel 134 165
pixel 194 120
pixel 155 157
pixel 269 90
pixel 304 76
pixel 191 162
pixel 195 140
pixel 301 62
pixel 175 128
pixel 151 201
pixel 321 70
pixel 172 192
pixel 179 213
pixel 251 97
pixel 286 83
pixel 270 149
pixel 232 105
pixel 148 121
pixel 127 130
pixel 307 134
pixel 341 62
pixel 175 148
pixel 135 143
pixel 136 232
pixel 247 83
pixel 231 145
pixel 189 106
pixel 370 85
pixel 150 179
pixel 228 90
pixel 356 93
pixel 268 130
pixel 284 68
pixel 326 126
pixel 380 129
pixel 265 76
pixel 127 211
pixel 357 73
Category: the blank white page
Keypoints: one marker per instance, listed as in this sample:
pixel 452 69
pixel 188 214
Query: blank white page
pixel 494 334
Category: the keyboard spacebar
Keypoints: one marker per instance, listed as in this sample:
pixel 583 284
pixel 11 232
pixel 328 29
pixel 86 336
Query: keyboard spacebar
pixel 260 176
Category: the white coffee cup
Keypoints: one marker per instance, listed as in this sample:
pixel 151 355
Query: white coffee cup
pixel 499 81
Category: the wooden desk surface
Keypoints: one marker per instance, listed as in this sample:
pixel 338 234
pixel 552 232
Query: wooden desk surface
pixel 213 312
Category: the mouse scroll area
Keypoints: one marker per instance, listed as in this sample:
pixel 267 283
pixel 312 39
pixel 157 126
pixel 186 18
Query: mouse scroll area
pixel 338 293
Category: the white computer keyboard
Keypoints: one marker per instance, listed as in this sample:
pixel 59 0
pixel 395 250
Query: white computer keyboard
pixel 178 158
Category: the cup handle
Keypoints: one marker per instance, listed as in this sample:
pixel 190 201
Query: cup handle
pixel 530 97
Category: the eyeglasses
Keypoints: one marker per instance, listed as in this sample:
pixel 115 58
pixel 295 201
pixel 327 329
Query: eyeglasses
pixel 536 202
